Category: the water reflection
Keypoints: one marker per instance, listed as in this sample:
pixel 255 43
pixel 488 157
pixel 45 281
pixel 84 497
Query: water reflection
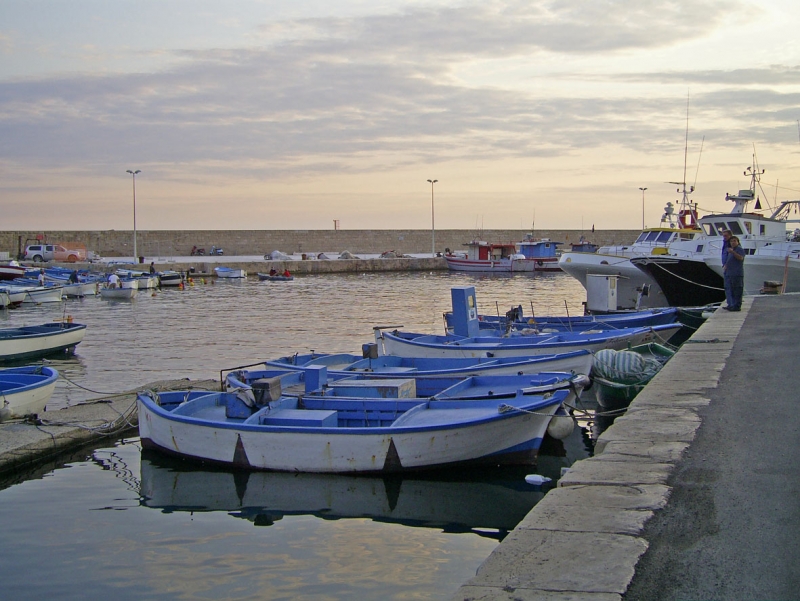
pixel 487 503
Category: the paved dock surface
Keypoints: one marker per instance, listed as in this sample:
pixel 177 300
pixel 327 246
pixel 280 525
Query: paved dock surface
pixel 693 494
pixel 731 528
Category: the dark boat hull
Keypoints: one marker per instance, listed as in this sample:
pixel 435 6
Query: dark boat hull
pixel 684 282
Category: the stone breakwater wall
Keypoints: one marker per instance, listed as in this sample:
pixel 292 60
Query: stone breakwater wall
pixel 161 243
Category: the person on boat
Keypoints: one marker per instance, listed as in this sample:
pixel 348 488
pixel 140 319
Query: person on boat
pixel 152 268
pixel 286 273
pixel 40 277
pixel 113 281
pixel 273 272
pixel 73 277
pixel 734 275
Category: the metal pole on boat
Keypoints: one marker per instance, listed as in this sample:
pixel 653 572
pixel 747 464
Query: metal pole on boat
pixel 135 253
pixel 433 227
pixel 643 189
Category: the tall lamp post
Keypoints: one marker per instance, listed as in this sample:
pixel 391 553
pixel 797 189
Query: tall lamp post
pixel 643 189
pixel 135 253
pixel 433 226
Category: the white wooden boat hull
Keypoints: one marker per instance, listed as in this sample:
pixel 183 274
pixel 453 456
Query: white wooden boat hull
pixel 170 279
pixel 118 293
pixel 455 263
pixel 38 341
pixel 31 399
pixel 44 294
pixel 331 451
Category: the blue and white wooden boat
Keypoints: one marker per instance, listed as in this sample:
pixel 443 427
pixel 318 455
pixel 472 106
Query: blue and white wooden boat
pixel 468 340
pixel 25 390
pixel 409 344
pixel 514 319
pixel 349 426
pixel 414 384
pixel 34 293
pixel 227 272
pixel 345 364
pixel 27 342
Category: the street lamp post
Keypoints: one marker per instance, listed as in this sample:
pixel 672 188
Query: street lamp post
pixel 135 253
pixel 433 226
pixel 643 189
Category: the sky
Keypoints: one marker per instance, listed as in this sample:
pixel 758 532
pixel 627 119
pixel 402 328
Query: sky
pixel 266 114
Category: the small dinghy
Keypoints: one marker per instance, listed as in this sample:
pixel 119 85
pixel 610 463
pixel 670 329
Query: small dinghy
pixel 25 390
pixel 265 277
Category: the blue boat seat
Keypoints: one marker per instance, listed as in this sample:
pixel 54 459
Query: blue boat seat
pixel 300 417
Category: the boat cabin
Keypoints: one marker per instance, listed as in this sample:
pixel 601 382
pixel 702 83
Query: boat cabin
pixel 532 248
pixel 478 250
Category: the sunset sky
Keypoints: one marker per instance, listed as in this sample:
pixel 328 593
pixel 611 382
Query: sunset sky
pixel 289 115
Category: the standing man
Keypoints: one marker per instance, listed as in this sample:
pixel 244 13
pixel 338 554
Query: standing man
pixel 734 275
pixel 726 241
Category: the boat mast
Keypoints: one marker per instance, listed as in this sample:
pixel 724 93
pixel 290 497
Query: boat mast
pixel 687 214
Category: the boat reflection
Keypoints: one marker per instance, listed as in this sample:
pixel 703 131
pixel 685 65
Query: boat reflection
pixel 488 503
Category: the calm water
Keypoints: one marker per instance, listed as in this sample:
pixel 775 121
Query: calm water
pixel 112 522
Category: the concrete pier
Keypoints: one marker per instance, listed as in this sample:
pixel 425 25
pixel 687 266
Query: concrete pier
pixel 691 495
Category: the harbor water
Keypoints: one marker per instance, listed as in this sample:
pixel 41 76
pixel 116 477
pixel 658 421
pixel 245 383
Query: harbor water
pixel 112 521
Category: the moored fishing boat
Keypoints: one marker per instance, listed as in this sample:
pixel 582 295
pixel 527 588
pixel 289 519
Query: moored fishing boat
pixel 410 344
pixel 515 319
pixel 170 278
pixel 482 257
pixel 11 270
pixel 343 364
pixel 125 293
pixel 333 430
pixel 228 272
pixel 620 375
pixel 468 340
pixel 25 390
pixel 27 342
pixel 690 273
pixel 615 260
pixel 543 252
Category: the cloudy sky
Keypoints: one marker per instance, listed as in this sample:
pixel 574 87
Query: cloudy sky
pixel 271 114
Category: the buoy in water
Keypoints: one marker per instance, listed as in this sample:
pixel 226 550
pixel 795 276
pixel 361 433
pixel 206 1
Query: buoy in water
pixel 561 426
pixel 536 479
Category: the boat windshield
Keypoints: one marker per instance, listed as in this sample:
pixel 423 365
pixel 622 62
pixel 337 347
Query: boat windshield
pixel 642 237
pixel 652 236
pixel 735 228
pixel 664 237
